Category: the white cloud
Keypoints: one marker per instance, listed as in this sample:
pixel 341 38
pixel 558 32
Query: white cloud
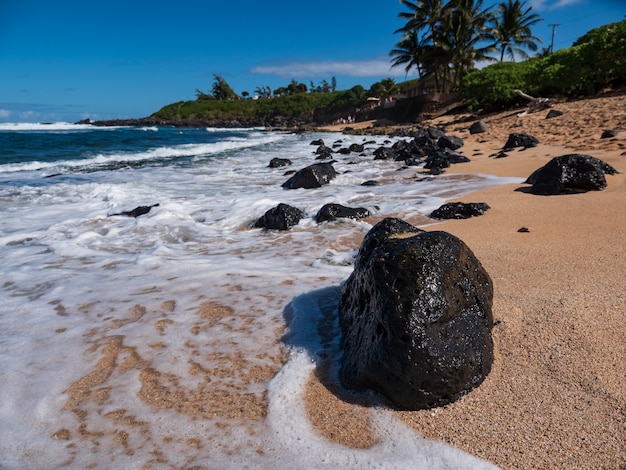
pixel 4 113
pixel 551 4
pixel 28 115
pixel 366 68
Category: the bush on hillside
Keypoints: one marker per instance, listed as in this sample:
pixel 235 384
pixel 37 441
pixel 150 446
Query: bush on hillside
pixel 595 61
pixel 493 87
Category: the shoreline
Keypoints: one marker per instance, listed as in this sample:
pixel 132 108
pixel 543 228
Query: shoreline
pixel 555 397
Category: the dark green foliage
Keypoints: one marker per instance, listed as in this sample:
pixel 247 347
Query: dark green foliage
pixel 292 106
pixel 222 90
pixel 597 60
pixel 344 100
pixel 493 87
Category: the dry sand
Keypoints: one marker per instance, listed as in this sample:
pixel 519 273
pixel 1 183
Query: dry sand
pixel 556 396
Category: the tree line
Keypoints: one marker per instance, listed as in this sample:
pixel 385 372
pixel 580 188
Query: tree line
pixel 221 90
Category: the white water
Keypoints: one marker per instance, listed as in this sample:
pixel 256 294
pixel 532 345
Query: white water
pixel 96 301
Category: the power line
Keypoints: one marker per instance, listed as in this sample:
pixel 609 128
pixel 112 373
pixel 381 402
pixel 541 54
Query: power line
pixel 553 25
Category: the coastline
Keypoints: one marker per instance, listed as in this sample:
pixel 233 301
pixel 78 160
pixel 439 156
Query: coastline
pixel 555 397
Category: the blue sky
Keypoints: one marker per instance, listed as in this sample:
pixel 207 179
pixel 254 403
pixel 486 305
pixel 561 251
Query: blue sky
pixel 68 60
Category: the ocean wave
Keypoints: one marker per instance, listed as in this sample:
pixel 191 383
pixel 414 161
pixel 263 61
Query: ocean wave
pixel 235 129
pixel 55 126
pixel 160 155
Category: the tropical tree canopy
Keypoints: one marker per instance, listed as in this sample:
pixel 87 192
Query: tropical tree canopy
pixel 445 39
pixel 512 30
pixel 222 90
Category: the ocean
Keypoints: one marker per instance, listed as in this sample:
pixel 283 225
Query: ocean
pixel 184 338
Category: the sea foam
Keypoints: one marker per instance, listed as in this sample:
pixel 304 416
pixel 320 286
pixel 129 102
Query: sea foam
pixel 185 336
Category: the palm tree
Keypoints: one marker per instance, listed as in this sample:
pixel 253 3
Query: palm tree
pixel 466 36
pixel 512 29
pixel 440 35
pixel 424 17
pixel 407 52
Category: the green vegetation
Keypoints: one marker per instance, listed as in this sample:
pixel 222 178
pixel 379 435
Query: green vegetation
pixel 596 60
pixel 293 101
pixel 444 40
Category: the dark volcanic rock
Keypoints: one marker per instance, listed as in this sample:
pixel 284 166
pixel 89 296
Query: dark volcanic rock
pixel 437 160
pixel 324 151
pixel 554 113
pixel 313 176
pixel 357 148
pixel 520 140
pixel 456 157
pixel 608 134
pixel 478 127
pixel 450 142
pixel 384 153
pixel 278 162
pixel 573 173
pixel 416 320
pixel 443 159
pixel 137 211
pixel 386 228
pixel 460 210
pixel 281 217
pixel 330 212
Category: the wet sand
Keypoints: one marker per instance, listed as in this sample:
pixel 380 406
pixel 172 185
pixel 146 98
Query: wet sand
pixel 556 395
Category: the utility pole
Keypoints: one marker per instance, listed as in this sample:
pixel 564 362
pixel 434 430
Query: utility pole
pixel 553 25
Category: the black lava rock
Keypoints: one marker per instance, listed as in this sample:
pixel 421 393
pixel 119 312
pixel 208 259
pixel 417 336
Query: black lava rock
pixel 386 228
pixel 520 140
pixel 568 174
pixel 554 113
pixel 478 127
pixel 460 210
pixel 313 176
pixel 608 134
pixel 450 142
pixel 137 211
pixel 384 153
pixel 281 217
pixel 437 161
pixel 416 320
pixel 330 212
pixel 278 162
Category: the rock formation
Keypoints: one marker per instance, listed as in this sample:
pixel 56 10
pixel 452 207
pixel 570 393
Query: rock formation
pixel 415 317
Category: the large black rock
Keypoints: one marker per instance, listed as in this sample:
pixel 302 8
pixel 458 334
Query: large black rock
pixel 520 140
pixel 478 127
pixel 460 210
pixel 450 142
pixel 313 176
pixel 330 212
pixel 568 174
pixel 384 153
pixel 281 217
pixel 278 162
pixel 416 320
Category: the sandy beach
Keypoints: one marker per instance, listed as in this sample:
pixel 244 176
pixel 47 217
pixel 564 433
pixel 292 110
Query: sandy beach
pixel 555 398
pixel 556 395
